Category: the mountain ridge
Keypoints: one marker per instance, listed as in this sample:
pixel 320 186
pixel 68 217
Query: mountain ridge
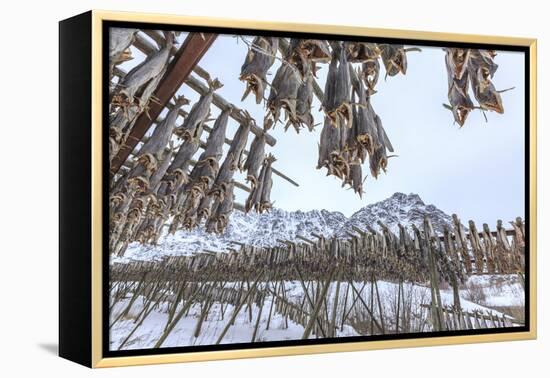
pixel 265 229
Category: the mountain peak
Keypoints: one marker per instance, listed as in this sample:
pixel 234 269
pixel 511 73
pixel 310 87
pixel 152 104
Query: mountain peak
pixel 402 197
pixel 400 208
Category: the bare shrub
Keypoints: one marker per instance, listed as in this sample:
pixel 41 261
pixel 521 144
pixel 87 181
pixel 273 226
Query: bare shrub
pixel 475 293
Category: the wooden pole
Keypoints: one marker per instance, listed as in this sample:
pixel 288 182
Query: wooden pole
pixel 318 305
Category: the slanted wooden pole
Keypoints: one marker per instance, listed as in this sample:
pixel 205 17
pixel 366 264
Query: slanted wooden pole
pixel 238 308
pixel 319 303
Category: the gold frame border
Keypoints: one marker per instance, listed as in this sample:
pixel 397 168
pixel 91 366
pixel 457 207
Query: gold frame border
pixel 96 264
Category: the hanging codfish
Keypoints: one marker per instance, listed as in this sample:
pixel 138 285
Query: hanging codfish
pixel 394 58
pixel 120 40
pixel 161 170
pixel 355 178
pixel 205 170
pixel 204 210
pixel 238 144
pixel 177 172
pixel 139 175
pixel 162 134
pixel 119 205
pixel 233 160
pixel 265 201
pixel 304 99
pixel 379 159
pixel 283 93
pixel 145 231
pixel 485 59
pixel 338 89
pixel 191 204
pixel 366 129
pixel 133 219
pixel 254 159
pixel 456 61
pixel 316 50
pixel 259 197
pixel 199 112
pixel 330 151
pixel 370 73
pixel 461 105
pixel 141 74
pixel 260 57
pixel 122 121
pixel 219 220
pixel 481 69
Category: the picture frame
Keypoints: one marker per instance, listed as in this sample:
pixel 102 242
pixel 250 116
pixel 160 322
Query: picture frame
pixel 88 166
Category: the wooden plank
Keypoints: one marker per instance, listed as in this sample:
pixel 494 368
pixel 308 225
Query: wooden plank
pixel 191 51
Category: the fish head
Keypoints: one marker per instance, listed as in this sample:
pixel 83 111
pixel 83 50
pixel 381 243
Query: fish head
pixel 460 114
pixel 491 100
pixel 181 101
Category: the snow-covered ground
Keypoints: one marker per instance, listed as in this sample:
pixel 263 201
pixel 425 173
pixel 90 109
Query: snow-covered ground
pixel 148 333
pixel 497 290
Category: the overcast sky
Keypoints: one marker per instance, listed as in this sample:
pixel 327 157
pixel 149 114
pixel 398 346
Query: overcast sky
pixel 476 171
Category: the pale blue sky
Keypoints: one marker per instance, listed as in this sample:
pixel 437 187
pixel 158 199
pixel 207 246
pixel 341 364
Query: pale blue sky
pixel 476 171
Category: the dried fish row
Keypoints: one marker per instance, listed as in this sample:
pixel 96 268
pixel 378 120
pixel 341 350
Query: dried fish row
pixel 406 256
pixel 343 150
pixel 204 173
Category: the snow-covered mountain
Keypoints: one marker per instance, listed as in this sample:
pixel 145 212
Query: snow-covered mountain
pixel 265 229
pixel 399 208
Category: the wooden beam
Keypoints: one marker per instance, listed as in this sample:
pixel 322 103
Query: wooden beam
pixel 189 54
